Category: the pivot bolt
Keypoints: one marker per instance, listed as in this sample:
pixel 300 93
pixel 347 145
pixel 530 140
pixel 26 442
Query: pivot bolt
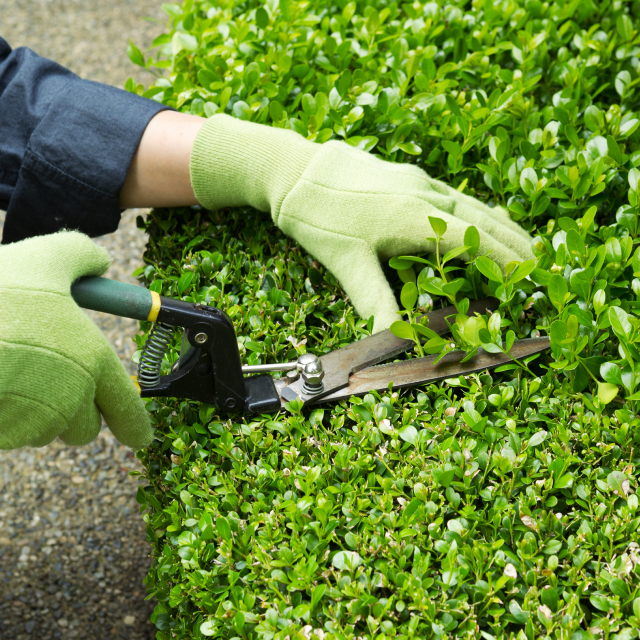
pixel 312 376
pixel 201 338
pixel 305 359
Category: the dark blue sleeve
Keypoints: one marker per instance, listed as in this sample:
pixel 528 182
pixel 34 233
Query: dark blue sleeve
pixel 65 146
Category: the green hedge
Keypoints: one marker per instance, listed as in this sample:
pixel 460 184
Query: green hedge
pixel 496 505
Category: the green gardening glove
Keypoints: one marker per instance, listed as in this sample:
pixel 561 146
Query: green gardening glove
pixel 347 208
pixel 58 373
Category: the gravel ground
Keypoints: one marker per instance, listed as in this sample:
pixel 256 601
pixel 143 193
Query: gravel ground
pixel 73 552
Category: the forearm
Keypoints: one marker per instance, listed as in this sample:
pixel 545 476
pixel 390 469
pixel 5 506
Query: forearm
pixel 159 173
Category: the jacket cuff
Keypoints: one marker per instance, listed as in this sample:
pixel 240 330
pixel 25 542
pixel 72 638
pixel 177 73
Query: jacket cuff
pixel 76 161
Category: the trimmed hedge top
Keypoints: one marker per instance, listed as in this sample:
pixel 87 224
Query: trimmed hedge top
pixel 499 505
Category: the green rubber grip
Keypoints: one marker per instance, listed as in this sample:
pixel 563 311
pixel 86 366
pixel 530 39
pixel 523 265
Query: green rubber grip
pixel 111 296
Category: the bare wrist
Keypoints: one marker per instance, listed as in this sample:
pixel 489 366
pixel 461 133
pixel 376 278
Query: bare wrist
pixel 159 172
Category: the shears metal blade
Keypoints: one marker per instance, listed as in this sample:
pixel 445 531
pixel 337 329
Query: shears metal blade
pixel 354 370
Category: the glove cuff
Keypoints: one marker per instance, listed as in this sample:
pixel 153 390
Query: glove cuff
pixel 234 163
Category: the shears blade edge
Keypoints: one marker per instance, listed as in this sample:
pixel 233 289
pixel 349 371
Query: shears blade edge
pixel 417 371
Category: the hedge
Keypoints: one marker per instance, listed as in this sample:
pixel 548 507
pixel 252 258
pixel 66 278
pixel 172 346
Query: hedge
pixel 502 504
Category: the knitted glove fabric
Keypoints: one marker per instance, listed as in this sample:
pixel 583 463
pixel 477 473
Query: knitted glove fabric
pixel 58 372
pixel 347 208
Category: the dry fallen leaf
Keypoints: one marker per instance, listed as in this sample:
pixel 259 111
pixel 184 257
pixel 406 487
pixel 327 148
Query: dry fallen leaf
pixel 545 611
pixel 528 521
pixel 626 487
pixel 510 571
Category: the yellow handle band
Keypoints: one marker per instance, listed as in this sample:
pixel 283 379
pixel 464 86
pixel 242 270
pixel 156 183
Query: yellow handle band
pixel 135 381
pixel 155 306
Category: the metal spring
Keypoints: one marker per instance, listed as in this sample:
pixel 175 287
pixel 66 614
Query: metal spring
pixel 155 347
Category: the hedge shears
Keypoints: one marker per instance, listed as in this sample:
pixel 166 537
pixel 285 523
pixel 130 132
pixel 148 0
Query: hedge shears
pixel 210 370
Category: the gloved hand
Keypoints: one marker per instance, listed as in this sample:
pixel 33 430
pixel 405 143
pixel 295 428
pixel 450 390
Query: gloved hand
pixel 346 207
pixel 58 372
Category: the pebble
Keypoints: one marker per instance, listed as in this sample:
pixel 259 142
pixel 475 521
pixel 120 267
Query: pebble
pixel 69 513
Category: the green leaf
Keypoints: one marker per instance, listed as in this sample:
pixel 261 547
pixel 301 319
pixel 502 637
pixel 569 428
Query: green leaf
pixel 619 588
pixel 208 628
pixel 490 347
pixel 135 55
pixel 438 225
pixel 485 335
pixel 472 240
pixel 581 281
pixel 549 597
pixel 471 330
pixel 451 288
pixel 557 290
pixel 400 264
pixel 509 340
pixel 444 478
pixel 613 250
pixel 224 528
pixel 521 271
pixel 348 560
pixel 540 206
pixel 365 143
pixel 435 345
pixel 528 181
pixel 262 18
pixel 629 127
pixel 622 83
pixel 489 268
pixel 431 285
pixel 563 481
pixel 317 594
pixel 411 148
pixel 593 118
pixel 411 509
pixel 616 480
pixel 409 296
pixel 614 151
pixel 516 611
pixel 424 331
pixel 452 147
pixel 409 434
pixel 611 373
pixel 575 243
pixel 402 329
pixel 407 275
pixel 185 281
pixel 601 603
pixel 453 253
pixel 625 27
pixel 183 41
pixel 620 322
pixel 607 392
pixel 541 277
pixel 537 438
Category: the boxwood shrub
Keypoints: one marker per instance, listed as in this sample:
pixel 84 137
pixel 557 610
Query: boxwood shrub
pixel 501 504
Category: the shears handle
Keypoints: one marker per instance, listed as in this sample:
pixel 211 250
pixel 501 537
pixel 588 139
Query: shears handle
pixel 209 368
pixel 116 298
